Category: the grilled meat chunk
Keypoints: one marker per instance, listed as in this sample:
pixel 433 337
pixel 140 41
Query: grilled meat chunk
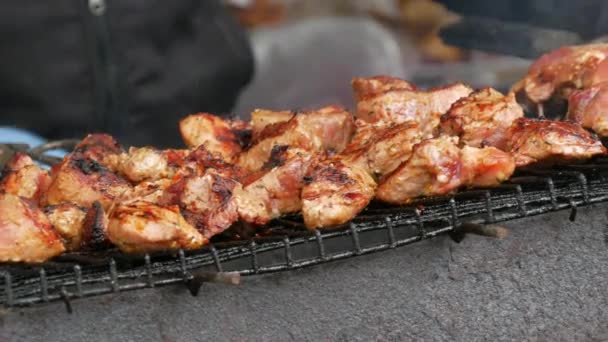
pixel 149 164
pixel 401 105
pixel 366 88
pixel 335 193
pixel 102 148
pixel 329 128
pixel 438 166
pixel 550 142
pixel 143 227
pixel 276 190
pixel 589 108
pixel 482 118
pixel 563 70
pixel 485 167
pixel 218 135
pixel 343 185
pixel 82 181
pixel 68 220
pixel 204 190
pixel 23 178
pixel 262 118
pixel 26 235
pixel 381 148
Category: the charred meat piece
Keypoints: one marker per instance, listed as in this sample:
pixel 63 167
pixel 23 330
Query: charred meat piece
pixel 23 178
pixel 343 185
pixel 329 128
pixel 401 105
pixel 276 190
pixel 143 227
pixel 26 235
pixel 550 142
pixel 381 148
pixel 589 108
pixel 438 166
pixel 366 88
pixel 262 118
pixel 101 148
pixel 218 135
pixel 204 190
pixel 149 164
pixel 82 181
pixel 563 70
pixel 482 118
pixel 68 220
pixel 335 193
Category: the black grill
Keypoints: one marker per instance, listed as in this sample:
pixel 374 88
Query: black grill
pixel 286 245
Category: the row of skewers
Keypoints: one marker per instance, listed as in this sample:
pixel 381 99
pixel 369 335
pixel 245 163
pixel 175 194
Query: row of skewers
pixel 400 144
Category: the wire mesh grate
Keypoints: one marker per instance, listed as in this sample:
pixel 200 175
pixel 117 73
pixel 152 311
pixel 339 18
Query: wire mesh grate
pixel 286 245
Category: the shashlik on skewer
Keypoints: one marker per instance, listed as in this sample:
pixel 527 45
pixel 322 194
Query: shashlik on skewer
pixel 323 163
pixel 552 78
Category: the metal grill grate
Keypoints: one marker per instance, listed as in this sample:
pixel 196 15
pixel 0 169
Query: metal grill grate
pixel 286 245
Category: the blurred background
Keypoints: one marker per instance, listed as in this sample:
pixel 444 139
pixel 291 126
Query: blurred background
pixel 306 51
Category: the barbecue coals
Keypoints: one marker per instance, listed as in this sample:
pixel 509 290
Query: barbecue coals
pixel 325 164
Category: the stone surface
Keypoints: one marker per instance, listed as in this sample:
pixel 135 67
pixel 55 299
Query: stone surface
pixel 545 282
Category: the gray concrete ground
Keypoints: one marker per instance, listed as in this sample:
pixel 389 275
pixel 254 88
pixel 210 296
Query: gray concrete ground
pixel 545 282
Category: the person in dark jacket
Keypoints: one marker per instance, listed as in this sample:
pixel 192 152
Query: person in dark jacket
pixel 131 68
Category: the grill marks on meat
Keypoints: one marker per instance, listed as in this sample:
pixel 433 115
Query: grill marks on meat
pixel 401 105
pixel 482 118
pixel 143 227
pixel 204 191
pixel 82 181
pixel 276 190
pixel 438 166
pixel 329 128
pixel 335 193
pixel 550 142
pixel 589 108
pixel 381 148
pixel 559 72
pixel 26 235
pixel 262 118
pixel 23 178
pixel 368 88
pixel 218 135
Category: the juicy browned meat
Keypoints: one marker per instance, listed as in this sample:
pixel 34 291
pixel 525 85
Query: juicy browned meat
pixel 204 190
pixel 548 142
pixel 262 118
pixel 401 105
pixel 149 164
pixel 335 193
pixel 23 178
pixel 101 148
pixel 218 135
pixel 485 167
pixel 381 148
pixel 276 190
pixel 482 118
pixel 68 220
pixel 589 108
pixel 143 227
pixel 82 181
pixel 564 69
pixel 343 185
pixel 366 88
pixel 329 128
pixel 438 166
pixel 26 234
